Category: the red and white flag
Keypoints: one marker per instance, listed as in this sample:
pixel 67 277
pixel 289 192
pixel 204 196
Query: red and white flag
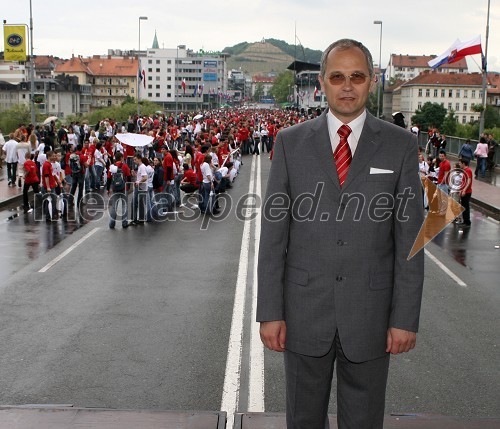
pixel 183 84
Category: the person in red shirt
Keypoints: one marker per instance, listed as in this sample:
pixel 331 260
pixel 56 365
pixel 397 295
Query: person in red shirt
pixel 49 184
pixel 31 179
pixel 466 192
pixel 444 171
pixel 188 183
pixel 168 176
pixel 198 160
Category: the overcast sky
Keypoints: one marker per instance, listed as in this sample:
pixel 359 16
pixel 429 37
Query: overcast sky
pixel 420 27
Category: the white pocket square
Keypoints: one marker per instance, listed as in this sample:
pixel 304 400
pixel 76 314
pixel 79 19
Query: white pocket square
pixel 374 170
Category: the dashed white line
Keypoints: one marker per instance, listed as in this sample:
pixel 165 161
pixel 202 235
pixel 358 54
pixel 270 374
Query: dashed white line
pixel 445 269
pixel 68 250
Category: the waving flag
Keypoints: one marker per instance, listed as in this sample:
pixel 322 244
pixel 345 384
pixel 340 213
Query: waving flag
pixel 200 89
pixel 195 90
pixel 183 84
pixel 457 51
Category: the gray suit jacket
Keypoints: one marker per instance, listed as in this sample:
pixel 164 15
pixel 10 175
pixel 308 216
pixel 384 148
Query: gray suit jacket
pixel 335 259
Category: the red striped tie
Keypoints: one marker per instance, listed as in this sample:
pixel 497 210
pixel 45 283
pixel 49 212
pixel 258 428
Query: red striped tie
pixel 342 154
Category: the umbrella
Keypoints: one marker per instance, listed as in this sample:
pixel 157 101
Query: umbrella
pixel 50 119
pixel 198 117
pixel 133 139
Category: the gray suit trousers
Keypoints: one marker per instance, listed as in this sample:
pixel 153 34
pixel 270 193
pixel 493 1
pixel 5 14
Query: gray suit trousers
pixel 360 390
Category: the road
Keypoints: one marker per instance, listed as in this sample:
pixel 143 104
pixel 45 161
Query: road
pixel 160 316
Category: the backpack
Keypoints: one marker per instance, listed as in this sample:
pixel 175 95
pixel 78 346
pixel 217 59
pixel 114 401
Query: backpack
pixel 118 181
pixel 74 163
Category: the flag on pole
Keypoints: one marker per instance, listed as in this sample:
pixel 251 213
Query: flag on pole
pixel 315 92
pixel 183 84
pixel 195 90
pixel 200 90
pixel 457 51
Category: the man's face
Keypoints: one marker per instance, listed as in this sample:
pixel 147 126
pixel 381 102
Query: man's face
pixel 442 156
pixel 346 100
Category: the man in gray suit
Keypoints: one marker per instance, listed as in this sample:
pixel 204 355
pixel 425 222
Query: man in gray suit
pixel 342 211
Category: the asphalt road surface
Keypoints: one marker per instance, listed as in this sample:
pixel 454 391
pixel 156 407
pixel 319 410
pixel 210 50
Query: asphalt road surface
pixel 160 316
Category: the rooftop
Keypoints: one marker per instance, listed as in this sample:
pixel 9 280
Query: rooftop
pixel 422 61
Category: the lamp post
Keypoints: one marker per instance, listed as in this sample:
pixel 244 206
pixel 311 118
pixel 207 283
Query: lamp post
pixel 141 18
pixel 379 87
pixel 485 73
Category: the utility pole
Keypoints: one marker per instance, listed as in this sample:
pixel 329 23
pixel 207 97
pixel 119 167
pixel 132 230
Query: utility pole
pixel 485 72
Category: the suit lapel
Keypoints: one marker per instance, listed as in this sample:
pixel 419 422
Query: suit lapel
pixel 322 147
pixel 365 151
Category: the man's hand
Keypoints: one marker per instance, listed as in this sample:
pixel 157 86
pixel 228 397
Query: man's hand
pixel 273 335
pixel 400 341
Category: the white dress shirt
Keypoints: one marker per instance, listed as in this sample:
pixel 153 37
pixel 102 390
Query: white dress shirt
pixel 356 127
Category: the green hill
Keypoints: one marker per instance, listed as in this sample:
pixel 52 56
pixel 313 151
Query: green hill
pixel 269 55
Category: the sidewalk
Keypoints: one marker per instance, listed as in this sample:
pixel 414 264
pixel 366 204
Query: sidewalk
pixel 9 194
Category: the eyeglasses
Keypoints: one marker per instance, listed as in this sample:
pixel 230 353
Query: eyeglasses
pixel 356 78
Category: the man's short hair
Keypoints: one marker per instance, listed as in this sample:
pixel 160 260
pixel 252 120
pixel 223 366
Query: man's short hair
pixel 465 162
pixel 344 44
pixel 118 156
pixel 442 151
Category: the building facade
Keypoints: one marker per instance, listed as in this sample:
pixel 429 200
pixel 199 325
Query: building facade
pixel 455 91
pixel 181 79
pixel 407 67
pixel 112 79
pixel 59 97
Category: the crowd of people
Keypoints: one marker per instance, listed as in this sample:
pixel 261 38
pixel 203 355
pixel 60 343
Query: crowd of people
pixel 187 156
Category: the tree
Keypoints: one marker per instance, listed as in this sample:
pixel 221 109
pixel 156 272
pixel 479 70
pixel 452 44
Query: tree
pixel 282 87
pixel 450 124
pixel 430 115
pixel 11 118
pixel 491 117
pixel 259 91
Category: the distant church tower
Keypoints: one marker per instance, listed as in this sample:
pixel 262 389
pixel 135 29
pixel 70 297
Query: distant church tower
pixel 155 43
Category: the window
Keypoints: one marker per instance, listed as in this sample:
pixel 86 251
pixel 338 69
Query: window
pixel 427 92
pixel 157 95
pixel 132 91
pixel 157 78
pixel 53 107
pixel 465 107
pixel 443 93
pixel 150 70
pixel 449 106
pixel 157 61
pixel 481 94
pixel 150 77
pixel 150 61
pixel 464 119
pixel 169 86
pixel 169 95
pixel 450 93
pixel 457 107
pixel 150 94
pixel 419 105
pixel 157 70
pixel 150 86
pixel 466 93
pixel 420 92
pixel 157 86
pixel 169 70
pixel 473 95
pixel 169 77
pixel 435 93
pixel 458 93
pixel 169 61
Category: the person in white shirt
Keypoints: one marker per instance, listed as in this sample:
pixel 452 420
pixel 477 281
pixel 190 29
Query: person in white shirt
pixel 23 151
pixel 150 171
pixel 207 186
pixel 140 189
pixel 72 137
pixel 233 172
pixel 10 149
pixel 2 142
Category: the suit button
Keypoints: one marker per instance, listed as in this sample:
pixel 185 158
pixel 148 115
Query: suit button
pixel 339 278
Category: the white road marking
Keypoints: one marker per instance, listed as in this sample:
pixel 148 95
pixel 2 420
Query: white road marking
pixel 231 388
pixel 68 250
pixel 256 378
pixel 445 269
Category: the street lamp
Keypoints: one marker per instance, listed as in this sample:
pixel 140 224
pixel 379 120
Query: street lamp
pixel 380 69
pixel 141 18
